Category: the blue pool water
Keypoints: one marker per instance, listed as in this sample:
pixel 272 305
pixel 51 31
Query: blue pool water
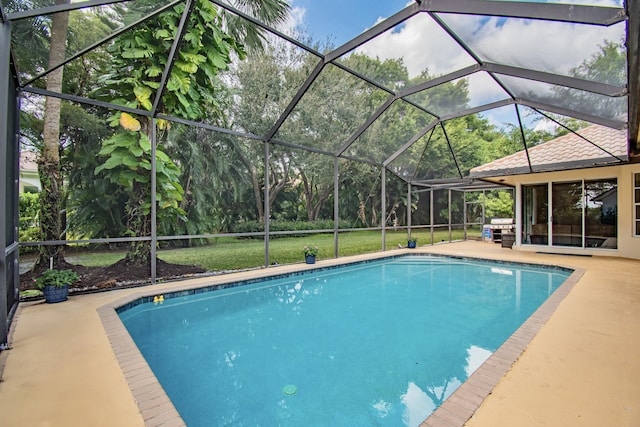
pixel 381 343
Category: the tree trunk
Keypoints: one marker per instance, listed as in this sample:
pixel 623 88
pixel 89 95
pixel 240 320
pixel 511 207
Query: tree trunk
pixel 257 192
pixel 139 252
pixel 278 184
pixel 52 196
pixel 255 182
pixel 139 222
pixel 311 193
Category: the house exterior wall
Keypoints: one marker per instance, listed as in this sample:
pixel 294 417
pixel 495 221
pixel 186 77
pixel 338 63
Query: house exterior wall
pixel 29 181
pixel 628 244
pixel 29 177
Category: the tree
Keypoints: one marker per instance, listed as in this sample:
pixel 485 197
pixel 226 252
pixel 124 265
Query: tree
pixel 42 43
pixel 499 204
pixel 214 181
pixel 263 86
pixel 608 65
pixel 52 196
pixel 192 92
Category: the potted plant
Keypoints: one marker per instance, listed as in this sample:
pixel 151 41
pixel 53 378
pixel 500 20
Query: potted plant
pixel 411 242
pixel 55 284
pixel 310 253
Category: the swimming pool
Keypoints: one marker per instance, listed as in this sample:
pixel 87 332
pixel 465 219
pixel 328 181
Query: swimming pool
pixel 376 343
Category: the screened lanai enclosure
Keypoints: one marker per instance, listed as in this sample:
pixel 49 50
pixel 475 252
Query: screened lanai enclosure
pixel 154 130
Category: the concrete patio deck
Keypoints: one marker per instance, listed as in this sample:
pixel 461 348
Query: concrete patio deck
pixel 581 369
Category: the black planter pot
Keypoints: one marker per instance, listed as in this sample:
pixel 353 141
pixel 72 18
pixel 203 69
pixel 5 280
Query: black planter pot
pixel 310 259
pixel 53 294
pixel 411 244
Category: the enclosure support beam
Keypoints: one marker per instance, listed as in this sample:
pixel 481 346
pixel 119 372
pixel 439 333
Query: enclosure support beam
pixel 555 79
pixel 374 31
pixel 484 214
pixel 633 75
pixel 49 10
pixel 594 15
pixel 431 213
pixel 9 212
pixel 517 201
pixel 90 48
pixel 383 214
pixel 524 139
pixel 296 99
pixel 14 249
pixel 408 210
pixel 154 211
pixel 267 213
pixel 612 123
pixel 449 191
pixel 173 52
pixel 336 206
pixel 5 38
pixel 464 213
pixel 390 100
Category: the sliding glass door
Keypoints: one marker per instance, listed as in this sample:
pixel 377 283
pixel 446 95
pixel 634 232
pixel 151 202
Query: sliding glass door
pixel 535 214
pixel 601 214
pixel 583 214
pixel 566 213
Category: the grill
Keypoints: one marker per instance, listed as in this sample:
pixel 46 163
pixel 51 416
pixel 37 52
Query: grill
pixel 498 226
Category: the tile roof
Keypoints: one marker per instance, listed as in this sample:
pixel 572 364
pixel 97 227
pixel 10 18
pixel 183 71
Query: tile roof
pixel 569 151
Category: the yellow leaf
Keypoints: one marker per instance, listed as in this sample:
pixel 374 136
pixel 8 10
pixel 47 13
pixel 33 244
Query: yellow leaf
pixel 128 122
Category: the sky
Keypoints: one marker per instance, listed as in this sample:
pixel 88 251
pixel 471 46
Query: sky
pixel 341 20
pixel 422 44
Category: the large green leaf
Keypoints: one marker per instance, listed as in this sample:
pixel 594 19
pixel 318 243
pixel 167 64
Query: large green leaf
pixel 112 162
pixel 144 143
pixel 130 161
pixel 137 151
pixel 187 67
pixel 142 93
pixel 218 60
pixel 162 156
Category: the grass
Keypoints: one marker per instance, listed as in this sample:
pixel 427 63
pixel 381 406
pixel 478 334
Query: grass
pixel 233 253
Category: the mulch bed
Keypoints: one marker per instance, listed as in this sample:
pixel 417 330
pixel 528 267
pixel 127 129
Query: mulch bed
pixel 116 276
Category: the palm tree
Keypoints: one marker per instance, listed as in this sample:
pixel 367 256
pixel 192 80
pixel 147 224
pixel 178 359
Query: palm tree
pixel 51 198
pixel 270 12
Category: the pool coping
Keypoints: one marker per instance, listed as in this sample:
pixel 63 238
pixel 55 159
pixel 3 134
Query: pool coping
pixel 157 409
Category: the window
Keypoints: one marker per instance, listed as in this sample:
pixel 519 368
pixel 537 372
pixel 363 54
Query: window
pixel 31 189
pixel 636 202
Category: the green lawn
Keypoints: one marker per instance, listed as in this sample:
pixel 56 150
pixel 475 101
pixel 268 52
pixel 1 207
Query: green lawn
pixel 234 253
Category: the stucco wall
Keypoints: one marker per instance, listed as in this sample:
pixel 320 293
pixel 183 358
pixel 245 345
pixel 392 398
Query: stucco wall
pixel 628 245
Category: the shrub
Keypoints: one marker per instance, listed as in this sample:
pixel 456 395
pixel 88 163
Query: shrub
pixel 30 234
pixel 29 207
pixel 29 230
pixel 258 227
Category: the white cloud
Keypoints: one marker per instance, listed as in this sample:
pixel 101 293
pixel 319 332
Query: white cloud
pixel 541 45
pixel 421 44
pixel 545 125
pixel 547 46
pixel 531 44
pixel 297 19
